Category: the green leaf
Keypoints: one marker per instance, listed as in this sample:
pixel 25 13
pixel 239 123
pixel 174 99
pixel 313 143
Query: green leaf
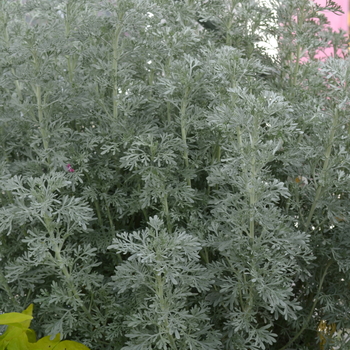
pixel 18 343
pixel 17 333
pixel 28 312
pixel 45 343
pixel 13 318
pixel 15 337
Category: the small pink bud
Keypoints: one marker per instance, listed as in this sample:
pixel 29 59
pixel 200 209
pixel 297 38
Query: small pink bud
pixel 69 168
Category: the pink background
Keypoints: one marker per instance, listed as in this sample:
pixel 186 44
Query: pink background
pixel 337 21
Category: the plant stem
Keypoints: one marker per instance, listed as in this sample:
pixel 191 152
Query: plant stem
pixel 41 120
pixel 230 9
pixel 60 264
pixel 325 168
pixel 184 130
pixel 164 307
pixel 98 212
pixel 301 20
pixel 166 211
pixel 311 311
pixel 111 224
pixel 296 67
pixel 204 253
pixel 116 55
pixel 253 174
pixel 71 59
pixel 166 74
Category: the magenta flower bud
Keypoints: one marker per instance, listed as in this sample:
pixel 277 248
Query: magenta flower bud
pixel 69 168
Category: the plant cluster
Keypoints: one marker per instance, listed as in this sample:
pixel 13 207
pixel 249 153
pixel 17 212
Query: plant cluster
pixel 167 184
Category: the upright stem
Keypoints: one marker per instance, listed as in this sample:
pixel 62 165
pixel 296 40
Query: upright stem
pixel 301 20
pixel 253 173
pixel 67 18
pixel 166 74
pixel 71 64
pixel 111 224
pixel 40 110
pixel 41 120
pixel 216 155
pixel 228 34
pixel 325 168
pixel 165 309
pixel 244 169
pixel 112 227
pixel 98 212
pixel 184 130
pixel 168 111
pixel 296 67
pixel 166 211
pixel 71 60
pixel 230 10
pixel 116 55
pixel 59 262
pixel 7 43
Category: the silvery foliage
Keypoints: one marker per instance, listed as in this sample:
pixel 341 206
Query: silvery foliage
pixel 164 182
